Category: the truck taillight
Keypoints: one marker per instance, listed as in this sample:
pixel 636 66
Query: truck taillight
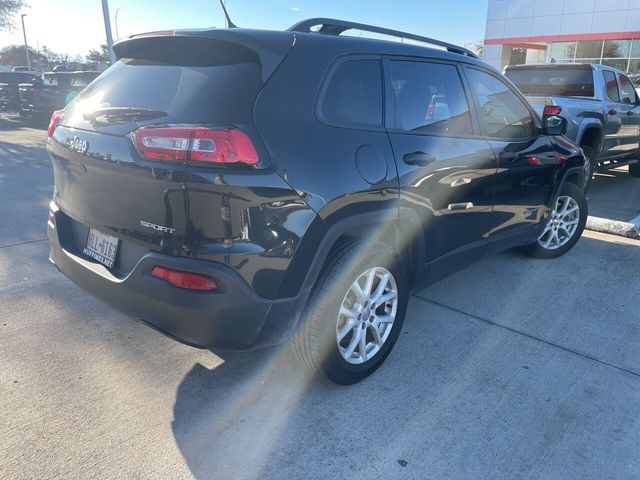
pixel 552 110
pixel 195 144
pixel 56 117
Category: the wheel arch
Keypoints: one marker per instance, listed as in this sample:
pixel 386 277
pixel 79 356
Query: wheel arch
pixel 573 175
pixel 398 229
pixel 590 134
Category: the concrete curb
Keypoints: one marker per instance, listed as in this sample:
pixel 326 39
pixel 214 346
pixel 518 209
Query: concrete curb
pixel 613 227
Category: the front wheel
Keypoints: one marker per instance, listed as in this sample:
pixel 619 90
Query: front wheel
pixel 354 314
pixel 564 227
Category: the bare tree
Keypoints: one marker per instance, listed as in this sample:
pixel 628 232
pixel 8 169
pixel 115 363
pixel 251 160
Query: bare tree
pixel 8 8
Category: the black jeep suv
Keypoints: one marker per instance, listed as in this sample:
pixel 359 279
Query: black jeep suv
pixel 237 188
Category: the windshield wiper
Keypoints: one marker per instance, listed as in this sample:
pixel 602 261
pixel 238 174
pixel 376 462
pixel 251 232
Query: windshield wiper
pixel 122 114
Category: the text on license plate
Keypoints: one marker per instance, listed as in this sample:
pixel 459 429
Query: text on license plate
pixel 101 247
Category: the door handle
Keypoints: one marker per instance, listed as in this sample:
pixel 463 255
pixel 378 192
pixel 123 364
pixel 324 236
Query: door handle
pixel 418 158
pixel 630 113
pixel 508 156
pixel 613 112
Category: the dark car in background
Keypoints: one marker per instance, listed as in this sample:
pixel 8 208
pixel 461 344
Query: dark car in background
pixel 9 82
pixel 238 188
pixel 51 91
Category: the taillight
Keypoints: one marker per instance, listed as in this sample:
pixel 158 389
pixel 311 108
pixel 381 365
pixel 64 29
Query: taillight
pixel 552 110
pixel 190 281
pixel 195 144
pixel 56 117
pixel 532 160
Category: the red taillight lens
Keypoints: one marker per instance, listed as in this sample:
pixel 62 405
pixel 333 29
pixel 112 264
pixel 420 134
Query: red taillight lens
pixel 190 281
pixel 198 144
pixel 56 117
pixel 552 110
pixel 533 160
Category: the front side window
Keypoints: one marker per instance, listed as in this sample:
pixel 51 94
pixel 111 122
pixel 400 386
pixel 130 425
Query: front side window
pixel 628 92
pixel 611 85
pixel 430 99
pixel 503 113
pixel 353 96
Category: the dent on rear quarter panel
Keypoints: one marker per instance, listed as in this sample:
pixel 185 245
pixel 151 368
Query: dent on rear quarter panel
pixel 250 220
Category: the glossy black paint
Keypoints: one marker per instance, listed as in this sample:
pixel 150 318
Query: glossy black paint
pixel 439 202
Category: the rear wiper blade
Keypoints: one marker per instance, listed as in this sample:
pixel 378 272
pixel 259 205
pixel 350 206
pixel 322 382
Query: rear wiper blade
pixel 122 114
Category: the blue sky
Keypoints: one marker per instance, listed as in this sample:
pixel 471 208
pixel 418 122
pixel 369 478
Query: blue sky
pixel 75 26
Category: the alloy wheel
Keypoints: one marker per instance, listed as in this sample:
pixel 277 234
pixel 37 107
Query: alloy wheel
pixel 562 225
pixel 366 316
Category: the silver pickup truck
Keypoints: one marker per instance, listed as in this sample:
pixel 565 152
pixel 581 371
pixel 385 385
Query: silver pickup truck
pixel 600 104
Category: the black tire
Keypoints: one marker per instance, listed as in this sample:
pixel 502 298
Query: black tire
pixel 590 168
pixel 634 169
pixel 315 341
pixel 537 250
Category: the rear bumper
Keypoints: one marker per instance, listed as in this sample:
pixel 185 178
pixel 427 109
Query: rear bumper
pixel 233 317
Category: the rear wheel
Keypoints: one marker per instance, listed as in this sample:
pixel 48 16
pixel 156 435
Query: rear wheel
pixel 354 314
pixel 564 227
pixel 634 169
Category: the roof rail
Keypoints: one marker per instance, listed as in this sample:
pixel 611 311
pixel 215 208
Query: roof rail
pixel 330 26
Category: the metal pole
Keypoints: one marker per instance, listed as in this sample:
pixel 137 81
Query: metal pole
pixel 115 20
pixel 107 29
pixel 26 47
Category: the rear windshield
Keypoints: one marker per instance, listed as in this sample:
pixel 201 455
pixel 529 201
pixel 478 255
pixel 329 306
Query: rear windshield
pixel 187 94
pixel 565 82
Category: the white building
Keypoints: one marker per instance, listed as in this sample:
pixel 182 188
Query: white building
pixel 592 31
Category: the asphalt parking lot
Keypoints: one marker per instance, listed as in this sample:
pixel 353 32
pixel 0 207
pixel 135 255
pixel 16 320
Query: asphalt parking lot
pixel 513 368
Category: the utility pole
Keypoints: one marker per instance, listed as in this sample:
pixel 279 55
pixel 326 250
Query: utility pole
pixel 26 47
pixel 107 29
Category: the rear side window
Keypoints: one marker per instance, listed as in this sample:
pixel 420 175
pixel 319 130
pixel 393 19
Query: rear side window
pixel 353 96
pixel 611 85
pixel 627 90
pixel 187 94
pixel 503 113
pixel 430 98
pixel 562 81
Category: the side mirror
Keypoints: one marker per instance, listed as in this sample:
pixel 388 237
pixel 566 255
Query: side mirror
pixel 554 125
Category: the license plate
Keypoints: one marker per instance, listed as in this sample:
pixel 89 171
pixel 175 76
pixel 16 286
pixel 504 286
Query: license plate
pixel 101 247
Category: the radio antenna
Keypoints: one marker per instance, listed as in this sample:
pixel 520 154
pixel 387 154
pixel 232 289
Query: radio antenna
pixel 230 24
